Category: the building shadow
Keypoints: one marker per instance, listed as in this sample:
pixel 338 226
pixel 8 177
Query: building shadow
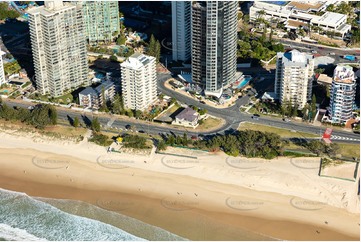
pixel 16 39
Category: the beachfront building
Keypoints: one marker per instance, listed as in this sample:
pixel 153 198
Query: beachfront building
pixel 187 118
pixel 342 94
pixel 96 98
pixel 139 81
pixel 2 72
pixel 295 14
pixel 101 19
pixel 181 30
pixel 214 45
pixel 59 47
pixel 294 75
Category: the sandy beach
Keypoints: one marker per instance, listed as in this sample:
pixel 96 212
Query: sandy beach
pixel 200 197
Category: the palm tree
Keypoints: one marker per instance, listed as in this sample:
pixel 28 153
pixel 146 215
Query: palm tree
pixel 260 15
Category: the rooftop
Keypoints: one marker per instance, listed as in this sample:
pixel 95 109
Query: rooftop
pixel 136 61
pixel 295 24
pixel 330 18
pixel 306 5
pixel 43 10
pixel 323 78
pixel 187 114
pixel 344 74
pixel 294 58
pixel 97 90
pixel 106 85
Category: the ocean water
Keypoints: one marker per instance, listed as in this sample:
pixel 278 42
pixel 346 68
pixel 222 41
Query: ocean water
pixel 25 218
pixel 128 224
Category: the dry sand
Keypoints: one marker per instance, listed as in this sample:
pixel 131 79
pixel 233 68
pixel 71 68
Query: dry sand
pixel 211 197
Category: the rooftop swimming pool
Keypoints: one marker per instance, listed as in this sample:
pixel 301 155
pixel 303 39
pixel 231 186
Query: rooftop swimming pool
pixel 280 3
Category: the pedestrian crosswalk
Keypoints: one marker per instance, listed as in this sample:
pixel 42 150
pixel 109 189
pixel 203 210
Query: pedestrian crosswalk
pixel 336 137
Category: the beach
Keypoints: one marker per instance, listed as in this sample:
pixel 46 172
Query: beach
pixel 198 196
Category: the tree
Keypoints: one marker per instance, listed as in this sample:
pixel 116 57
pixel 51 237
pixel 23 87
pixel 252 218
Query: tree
pixel 295 111
pixel 117 104
pixel 6 13
pixel 95 125
pixel 270 35
pixel 53 115
pixel 202 111
pixel 319 70
pixel 121 39
pixel 113 58
pixel 129 113
pixel 313 106
pixel 260 15
pixel 137 113
pixel 263 37
pixel 161 145
pixel 305 112
pixel 154 48
pixel 76 122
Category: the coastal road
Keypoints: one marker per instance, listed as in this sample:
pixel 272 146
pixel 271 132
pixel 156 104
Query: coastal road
pixel 232 116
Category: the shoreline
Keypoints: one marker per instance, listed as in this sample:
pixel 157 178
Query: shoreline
pixel 199 199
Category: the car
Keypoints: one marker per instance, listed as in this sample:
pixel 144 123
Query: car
pixel 141 131
pixel 321 48
pixel 332 53
pixel 255 116
pixel 286 120
pixel 314 52
pixel 203 102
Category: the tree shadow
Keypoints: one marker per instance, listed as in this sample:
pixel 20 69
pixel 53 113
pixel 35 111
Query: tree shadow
pixel 71 120
pixel 86 120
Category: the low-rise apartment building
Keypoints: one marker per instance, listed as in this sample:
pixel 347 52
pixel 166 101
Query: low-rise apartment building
pixel 95 97
pixel 294 14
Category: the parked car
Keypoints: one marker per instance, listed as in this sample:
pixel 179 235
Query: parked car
pixel 203 102
pixel 286 120
pixel 314 52
pixel 255 116
pixel 332 53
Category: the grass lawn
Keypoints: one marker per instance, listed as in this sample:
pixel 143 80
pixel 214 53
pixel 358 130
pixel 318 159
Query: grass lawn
pixel 66 131
pixel 209 123
pixel 349 150
pixel 172 109
pixel 284 133
pixel 67 98
pixel 58 131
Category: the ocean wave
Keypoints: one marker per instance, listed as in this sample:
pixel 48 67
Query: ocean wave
pixel 30 217
pixel 126 223
pixel 8 233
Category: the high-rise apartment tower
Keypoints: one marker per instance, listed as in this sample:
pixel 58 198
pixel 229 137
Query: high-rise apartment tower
pixel 214 45
pixel 59 47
